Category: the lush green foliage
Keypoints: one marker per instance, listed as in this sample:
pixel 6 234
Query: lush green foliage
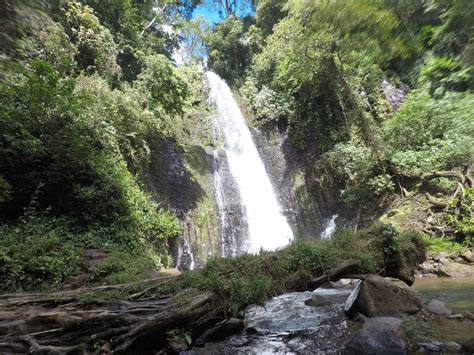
pixel 228 53
pixel 252 279
pixel 161 82
pixel 37 251
pixel 75 145
pixel 96 48
pixel 429 134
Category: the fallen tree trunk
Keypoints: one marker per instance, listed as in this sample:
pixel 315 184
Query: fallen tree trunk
pixel 121 326
pixel 82 322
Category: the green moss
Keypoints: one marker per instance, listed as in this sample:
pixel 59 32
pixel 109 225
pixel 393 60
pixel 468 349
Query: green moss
pixel 205 219
pixel 436 245
pixel 121 267
pixel 197 159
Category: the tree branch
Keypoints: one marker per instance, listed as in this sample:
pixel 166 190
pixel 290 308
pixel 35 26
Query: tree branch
pixel 158 13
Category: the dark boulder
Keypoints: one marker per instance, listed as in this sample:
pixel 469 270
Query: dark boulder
pixel 177 346
pixel 468 347
pixel 379 297
pixel 379 335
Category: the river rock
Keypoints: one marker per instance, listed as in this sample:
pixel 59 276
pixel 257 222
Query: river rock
pixel 460 260
pixel 426 266
pixel 468 347
pixel 436 346
pixel 221 331
pixel 468 315
pixel 440 256
pixel 379 335
pixel 317 301
pixel 433 346
pixel 380 297
pixel 451 347
pixel 455 269
pixel 467 255
pixel 438 307
pixel 178 346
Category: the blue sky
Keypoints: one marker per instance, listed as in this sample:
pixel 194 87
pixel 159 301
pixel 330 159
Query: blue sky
pixel 211 13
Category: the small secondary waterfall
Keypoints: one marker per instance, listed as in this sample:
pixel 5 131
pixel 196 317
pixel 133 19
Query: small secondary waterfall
pixel 330 227
pixel 267 227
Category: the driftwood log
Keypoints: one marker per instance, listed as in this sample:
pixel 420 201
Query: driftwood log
pixel 60 323
pixel 63 323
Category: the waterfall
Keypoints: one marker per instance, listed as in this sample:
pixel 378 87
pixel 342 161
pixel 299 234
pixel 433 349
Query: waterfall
pixel 330 227
pixel 267 228
pixel 229 235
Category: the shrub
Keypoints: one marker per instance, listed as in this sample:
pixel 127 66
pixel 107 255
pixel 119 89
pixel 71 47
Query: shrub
pixel 381 185
pixel 36 251
pixel 124 267
pixel 163 85
pixel 349 162
pixel 267 104
pixel 428 134
pixel 97 52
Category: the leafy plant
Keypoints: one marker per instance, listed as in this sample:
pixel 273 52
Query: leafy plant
pixel 36 251
pixel 97 51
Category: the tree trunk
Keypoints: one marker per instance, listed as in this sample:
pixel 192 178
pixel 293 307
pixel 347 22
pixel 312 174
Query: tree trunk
pixel 81 322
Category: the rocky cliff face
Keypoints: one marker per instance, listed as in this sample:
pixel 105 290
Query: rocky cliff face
pixel 181 175
pixel 307 200
pixel 181 178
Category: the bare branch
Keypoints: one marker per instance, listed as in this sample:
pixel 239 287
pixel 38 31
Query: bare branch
pixel 158 13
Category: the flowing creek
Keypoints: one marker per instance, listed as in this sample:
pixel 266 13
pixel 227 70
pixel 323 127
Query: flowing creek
pixel 456 292
pixel 287 325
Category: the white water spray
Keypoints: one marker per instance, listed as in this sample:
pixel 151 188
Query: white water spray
pixel 330 227
pixel 267 227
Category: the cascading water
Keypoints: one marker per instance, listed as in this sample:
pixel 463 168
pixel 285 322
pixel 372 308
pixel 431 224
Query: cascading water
pixel 330 227
pixel 267 227
pixel 229 234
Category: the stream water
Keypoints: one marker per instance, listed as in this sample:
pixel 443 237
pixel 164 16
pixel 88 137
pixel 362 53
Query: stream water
pixel 267 228
pixel 286 325
pixel 456 292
